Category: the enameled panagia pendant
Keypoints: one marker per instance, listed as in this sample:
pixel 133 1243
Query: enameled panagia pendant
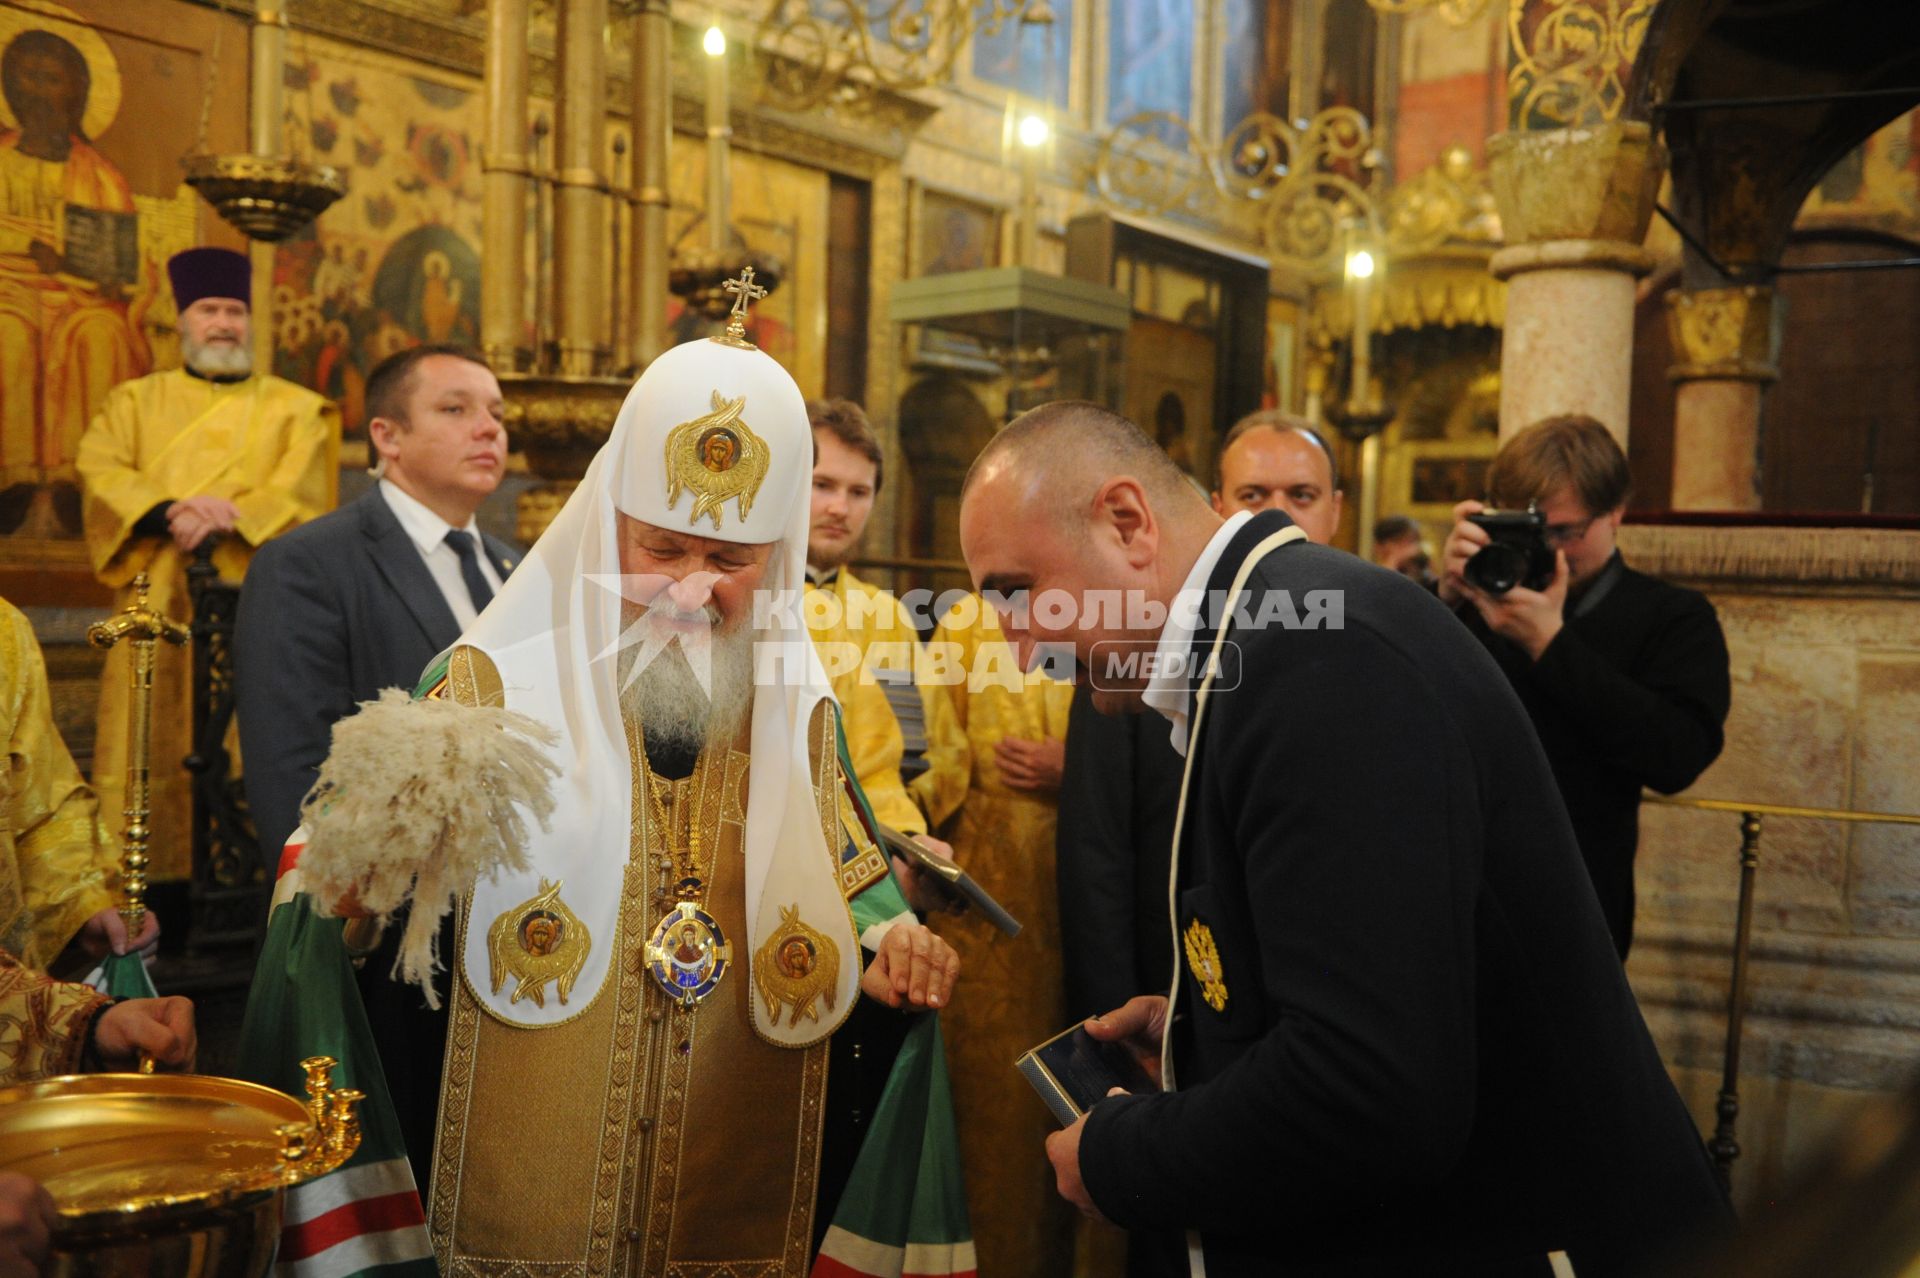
pixel 688 953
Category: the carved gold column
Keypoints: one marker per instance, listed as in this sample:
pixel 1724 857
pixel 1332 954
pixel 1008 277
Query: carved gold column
pixel 1574 206
pixel 266 133
pixel 1726 344
pixel 652 142
pixel 506 170
pixel 579 185
pixel 269 93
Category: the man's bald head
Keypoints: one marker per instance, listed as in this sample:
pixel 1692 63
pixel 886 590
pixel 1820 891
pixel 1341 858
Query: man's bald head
pixel 1061 455
pixel 1069 504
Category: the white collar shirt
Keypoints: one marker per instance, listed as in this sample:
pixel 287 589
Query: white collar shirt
pixel 1168 691
pixel 428 533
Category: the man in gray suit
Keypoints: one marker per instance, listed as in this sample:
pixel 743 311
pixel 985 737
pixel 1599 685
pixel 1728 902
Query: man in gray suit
pixel 361 600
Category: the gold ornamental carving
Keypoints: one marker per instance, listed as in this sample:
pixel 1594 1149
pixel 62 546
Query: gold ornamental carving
pixel 538 507
pixel 844 50
pixel 1312 182
pixel 1725 334
pixel 1575 198
pixel 1570 60
pixel 1450 202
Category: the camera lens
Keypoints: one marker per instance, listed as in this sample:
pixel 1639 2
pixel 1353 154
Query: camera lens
pixel 1496 569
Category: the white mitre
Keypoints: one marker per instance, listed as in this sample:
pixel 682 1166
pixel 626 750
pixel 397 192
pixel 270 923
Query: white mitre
pixel 712 440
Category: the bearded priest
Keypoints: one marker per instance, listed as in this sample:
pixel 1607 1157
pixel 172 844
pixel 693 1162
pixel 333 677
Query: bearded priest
pixel 213 449
pixel 672 1027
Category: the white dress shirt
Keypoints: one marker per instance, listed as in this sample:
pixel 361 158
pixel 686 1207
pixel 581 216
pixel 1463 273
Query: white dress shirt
pixel 1167 691
pixel 428 533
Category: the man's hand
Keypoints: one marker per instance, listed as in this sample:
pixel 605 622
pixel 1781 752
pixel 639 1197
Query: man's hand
pixel 106 933
pixel 26 1223
pixel 1063 1151
pixel 1463 543
pixel 922 896
pixel 158 1027
pixel 1031 765
pixel 1139 1026
pixel 914 969
pixel 194 519
pixel 1530 618
pixel 45 256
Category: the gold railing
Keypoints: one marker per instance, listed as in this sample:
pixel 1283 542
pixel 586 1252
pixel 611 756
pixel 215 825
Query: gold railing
pixel 1723 1147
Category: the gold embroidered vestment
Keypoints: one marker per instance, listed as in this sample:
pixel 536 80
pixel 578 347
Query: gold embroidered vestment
pixel 636 1138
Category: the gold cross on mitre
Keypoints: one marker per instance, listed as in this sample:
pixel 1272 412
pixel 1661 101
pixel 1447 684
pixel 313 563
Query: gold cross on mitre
pixel 744 291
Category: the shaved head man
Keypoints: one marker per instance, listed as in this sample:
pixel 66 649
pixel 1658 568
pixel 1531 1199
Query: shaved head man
pixel 1371 996
pixel 1275 461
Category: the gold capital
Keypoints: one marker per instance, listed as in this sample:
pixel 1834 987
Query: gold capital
pixel 1725 334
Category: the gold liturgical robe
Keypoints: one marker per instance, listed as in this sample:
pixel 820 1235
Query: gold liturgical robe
pixel 43 1023
pixel 266 445
pixel 640 1138
pixel 861 630
pixel 54 865
pixel 1015 997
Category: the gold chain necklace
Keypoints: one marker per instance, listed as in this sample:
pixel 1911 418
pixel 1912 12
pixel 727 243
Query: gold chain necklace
pixel 687 952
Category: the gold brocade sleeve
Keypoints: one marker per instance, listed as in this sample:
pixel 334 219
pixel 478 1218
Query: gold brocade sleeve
pixel 43 1023
pixel 54 863
pixel 115 492
pixel 305 481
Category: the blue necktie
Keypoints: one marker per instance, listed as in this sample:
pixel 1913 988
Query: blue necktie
pixel 477 588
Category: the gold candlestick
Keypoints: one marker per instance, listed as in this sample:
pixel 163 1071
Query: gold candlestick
pixel 142 626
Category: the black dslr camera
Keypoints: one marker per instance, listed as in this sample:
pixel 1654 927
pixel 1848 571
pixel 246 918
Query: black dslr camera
pixel 1517 555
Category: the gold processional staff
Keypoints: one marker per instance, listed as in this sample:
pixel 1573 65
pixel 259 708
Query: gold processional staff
pixel 178 1175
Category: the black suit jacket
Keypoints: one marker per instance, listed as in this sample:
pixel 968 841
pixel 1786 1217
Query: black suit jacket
pixel 1114 840
pixel 1633 692
pixel 331 614
pixel 1427 1058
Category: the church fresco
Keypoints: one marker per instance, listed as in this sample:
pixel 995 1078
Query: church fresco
pixel 395 263
pixel 91 206
pixel 1876 185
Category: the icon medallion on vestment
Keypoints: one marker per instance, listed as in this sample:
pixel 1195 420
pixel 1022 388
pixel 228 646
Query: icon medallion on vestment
pixel 797 965
pixel 688 953
pixel 1203 960
pixel 538 941
pixel 719 458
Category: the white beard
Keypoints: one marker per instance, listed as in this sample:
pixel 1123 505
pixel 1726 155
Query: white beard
pixel 670 704
pixel 216 361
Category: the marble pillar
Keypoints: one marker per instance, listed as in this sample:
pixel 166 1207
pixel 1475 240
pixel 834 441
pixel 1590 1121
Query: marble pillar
pixel 1574 206
pixel 1726 344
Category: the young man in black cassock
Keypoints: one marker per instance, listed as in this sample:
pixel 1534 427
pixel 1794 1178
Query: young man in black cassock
pixel 1400 1040
pixel 1624 675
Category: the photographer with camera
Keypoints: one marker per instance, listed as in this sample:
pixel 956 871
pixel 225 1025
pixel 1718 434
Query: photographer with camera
pixel 1624 676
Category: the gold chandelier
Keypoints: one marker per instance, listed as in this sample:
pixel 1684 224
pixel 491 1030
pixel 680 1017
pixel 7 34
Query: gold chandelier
pixel 263 193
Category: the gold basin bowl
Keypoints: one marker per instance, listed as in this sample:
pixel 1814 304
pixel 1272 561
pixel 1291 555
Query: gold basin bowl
pixel 169 1175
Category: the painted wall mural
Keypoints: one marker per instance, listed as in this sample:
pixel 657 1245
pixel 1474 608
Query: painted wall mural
pixel 396 262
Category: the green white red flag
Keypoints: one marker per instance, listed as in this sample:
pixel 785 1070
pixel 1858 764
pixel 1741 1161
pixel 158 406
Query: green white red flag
pixel 363 1220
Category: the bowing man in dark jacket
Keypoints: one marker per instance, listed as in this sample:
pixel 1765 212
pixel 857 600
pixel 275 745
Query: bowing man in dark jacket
pixel 1624 676
pixel 1400 1040
pixel 362 600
